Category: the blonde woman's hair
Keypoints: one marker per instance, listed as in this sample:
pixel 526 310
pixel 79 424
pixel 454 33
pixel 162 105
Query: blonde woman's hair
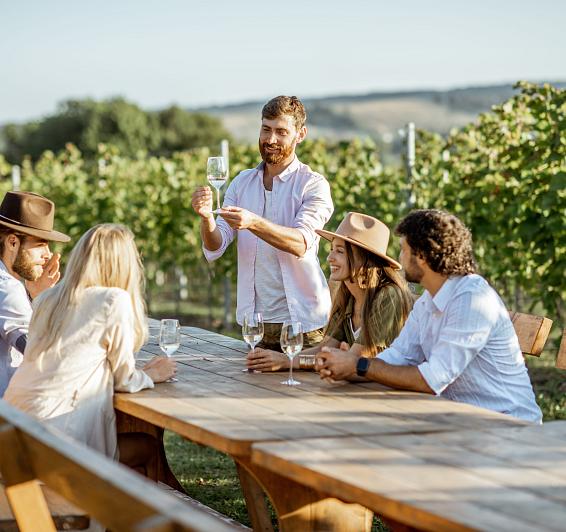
pixel 106 255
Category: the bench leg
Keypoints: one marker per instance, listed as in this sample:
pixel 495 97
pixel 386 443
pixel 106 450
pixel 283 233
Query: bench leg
pixel 22 488
pixel 29 507
pixel 300 508
pixel 126 423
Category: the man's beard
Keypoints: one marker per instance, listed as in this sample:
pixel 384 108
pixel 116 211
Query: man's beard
pixel 276 157
pixel 413 273
pixel 24 267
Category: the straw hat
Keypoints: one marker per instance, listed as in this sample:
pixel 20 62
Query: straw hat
pixel 30 214
pixel 366 232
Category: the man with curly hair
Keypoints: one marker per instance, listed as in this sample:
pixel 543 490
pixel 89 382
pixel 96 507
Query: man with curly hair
pixel 458 341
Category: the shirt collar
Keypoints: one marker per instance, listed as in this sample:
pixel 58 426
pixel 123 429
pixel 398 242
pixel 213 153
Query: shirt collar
pixel 4 268
pixel 285 174
pixel 444 295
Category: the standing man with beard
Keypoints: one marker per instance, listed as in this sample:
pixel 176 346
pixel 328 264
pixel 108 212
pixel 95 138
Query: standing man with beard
pixel 26 228
pixel 275 210
pixel 458 341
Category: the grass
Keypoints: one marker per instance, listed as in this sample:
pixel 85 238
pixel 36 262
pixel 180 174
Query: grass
pixel 207 475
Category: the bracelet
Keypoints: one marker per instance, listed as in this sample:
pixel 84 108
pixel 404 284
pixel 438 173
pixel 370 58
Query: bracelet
pixel 306 362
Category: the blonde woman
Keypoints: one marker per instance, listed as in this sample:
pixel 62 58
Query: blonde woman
pixel 82 339
pixel 371 302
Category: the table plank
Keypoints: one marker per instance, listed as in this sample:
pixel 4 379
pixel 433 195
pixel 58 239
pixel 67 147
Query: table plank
pixel 503 479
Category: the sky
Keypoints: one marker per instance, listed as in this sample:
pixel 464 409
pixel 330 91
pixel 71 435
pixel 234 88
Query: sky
pixel 197 53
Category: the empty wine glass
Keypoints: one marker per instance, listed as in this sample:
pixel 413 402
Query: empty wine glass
pixel 169 339
pixel 252 331
pixel 217 174
pixel 292 344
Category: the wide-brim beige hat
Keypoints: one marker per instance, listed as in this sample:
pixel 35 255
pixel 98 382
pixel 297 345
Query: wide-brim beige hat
pixel 366 232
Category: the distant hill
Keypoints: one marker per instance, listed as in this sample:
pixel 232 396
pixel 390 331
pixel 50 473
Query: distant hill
pixel 378 115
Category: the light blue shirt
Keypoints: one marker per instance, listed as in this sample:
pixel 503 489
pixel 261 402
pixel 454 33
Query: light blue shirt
pixel 465 347
pixel 15 315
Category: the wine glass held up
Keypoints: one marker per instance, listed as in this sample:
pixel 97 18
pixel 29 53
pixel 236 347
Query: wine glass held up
pixel 252 331
pixel 291 344
pixel 217 175
pixel 169 339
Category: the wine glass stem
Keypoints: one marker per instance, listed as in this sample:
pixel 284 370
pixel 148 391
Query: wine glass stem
pixel 291 370
pixel 218 198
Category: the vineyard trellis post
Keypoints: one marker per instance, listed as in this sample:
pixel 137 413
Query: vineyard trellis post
pixel 410 162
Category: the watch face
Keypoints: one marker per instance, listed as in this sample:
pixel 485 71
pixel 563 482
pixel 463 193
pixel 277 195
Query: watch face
pixel 362 366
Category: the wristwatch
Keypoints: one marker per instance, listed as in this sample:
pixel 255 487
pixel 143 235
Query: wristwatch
pixel 362 366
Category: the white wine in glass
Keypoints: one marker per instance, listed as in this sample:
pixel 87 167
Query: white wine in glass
pixel 252 331
pixel 217 175
pixel 292 345
pixel 169 339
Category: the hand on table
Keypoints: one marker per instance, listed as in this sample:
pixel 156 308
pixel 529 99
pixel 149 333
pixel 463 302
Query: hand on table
pixel 159 369
pixel 48 278
pixel 336 364
pixel 202 202
pixel 267 360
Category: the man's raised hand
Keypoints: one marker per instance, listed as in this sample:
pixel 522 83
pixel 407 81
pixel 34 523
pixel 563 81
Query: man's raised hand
pixel 202 202
pixel 47 279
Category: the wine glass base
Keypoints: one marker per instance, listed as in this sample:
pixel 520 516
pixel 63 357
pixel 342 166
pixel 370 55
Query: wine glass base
pixel 290 382
pixel 251 371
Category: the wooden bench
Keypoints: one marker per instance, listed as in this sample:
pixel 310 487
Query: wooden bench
pixel 65 515
pixel 31 454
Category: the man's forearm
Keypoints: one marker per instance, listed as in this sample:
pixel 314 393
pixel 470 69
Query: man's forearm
pixel 284 238
pixel 401 377
pixel 210 234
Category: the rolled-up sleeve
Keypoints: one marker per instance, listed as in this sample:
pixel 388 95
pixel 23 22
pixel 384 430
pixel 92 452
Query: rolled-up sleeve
pixel 316 209
pixel 228 234
pixel 465 333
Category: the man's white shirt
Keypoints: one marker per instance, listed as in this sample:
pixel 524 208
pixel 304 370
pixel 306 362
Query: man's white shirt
pixel 301 200
pixel 465 347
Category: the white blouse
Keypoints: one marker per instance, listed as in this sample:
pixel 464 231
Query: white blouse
pixel 71 384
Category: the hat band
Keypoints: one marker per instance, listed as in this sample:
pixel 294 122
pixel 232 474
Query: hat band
pixel 21 224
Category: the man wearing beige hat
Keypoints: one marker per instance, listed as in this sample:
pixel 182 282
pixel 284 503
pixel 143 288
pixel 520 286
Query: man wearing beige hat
pixel 26 228
pixel 458 341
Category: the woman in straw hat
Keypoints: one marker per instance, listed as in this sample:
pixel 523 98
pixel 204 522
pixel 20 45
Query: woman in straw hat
pixel 82 339
pixel 372 300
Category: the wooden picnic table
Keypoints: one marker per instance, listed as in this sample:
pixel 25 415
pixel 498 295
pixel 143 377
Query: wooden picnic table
pixel 507 479
pixel 215 404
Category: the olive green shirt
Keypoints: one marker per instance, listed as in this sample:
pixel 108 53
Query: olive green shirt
pixel 386 317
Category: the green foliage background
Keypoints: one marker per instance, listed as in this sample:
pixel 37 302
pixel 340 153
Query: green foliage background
pixel 505 175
